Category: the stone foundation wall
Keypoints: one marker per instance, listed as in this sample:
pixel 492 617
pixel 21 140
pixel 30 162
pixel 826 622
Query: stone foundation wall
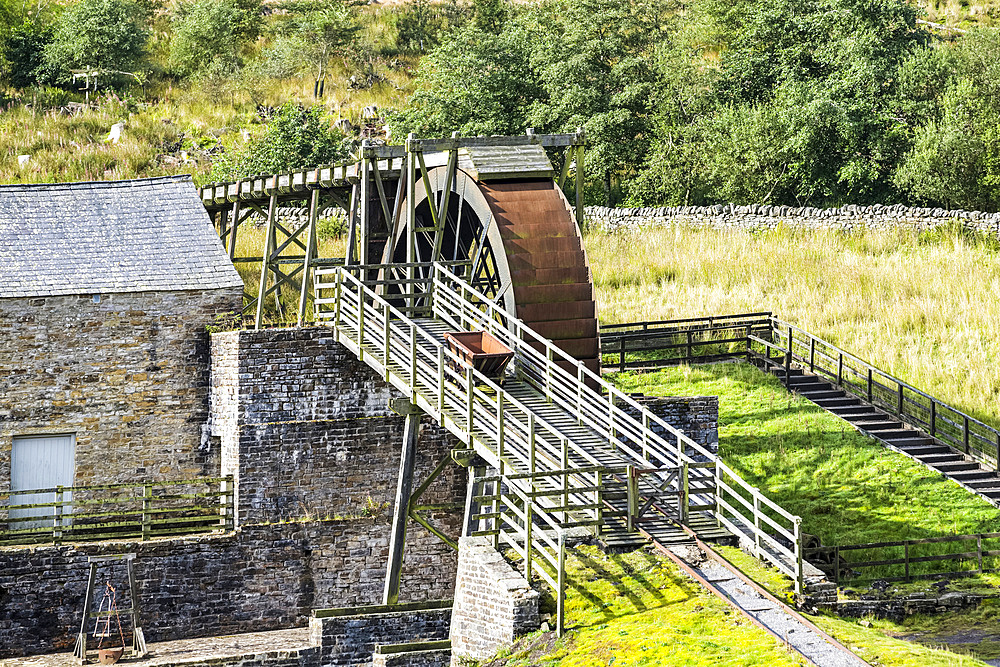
pixel 306 430
pixel 263 577
pixel 696 416
pixel 898 608
pixel 493 603
pixel 348 641
pixel 128 376
pixel 761 217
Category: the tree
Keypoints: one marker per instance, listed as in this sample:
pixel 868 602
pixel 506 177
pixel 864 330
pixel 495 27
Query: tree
pixel 106 34
pixel 314 33
pixel 295 137
pixel 209 34
pixel 22 49
pixel 475 83
pixel 955 159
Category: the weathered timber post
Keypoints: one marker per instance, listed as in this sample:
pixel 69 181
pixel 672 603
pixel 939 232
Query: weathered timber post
pixel 404 486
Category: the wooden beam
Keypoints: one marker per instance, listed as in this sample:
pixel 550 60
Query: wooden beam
pixel 404 484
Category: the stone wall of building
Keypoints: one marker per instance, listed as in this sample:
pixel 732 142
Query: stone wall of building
pixel 431 658
pixel 128 375
pixel 350 640
pixel 493 603
pixel 262 577
pixel 306 429
pixel 760 217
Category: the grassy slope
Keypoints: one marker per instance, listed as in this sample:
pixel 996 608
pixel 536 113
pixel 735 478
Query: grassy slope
pixel 847 488
pixel 920 308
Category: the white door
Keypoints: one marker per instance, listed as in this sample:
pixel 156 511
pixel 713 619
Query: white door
pixel 39 462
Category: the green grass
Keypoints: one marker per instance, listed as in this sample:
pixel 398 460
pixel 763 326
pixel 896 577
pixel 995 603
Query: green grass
pixel 640 609
pixel 847 488
pixel 919 306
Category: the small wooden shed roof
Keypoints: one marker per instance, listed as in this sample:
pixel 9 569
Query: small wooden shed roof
pixel 145 235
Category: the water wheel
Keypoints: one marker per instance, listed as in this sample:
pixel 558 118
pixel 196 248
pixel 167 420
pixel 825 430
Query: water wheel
pixel 523 243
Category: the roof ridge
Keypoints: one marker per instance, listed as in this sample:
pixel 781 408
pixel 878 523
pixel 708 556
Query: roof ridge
pixel 167 178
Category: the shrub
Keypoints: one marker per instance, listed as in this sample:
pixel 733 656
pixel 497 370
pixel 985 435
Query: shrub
pixel 295 137
pixel 212 31
pixel 106 34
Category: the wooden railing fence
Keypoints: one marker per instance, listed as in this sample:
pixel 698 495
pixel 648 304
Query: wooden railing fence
pixel 139 510
pixel 645 345
pixel 909 560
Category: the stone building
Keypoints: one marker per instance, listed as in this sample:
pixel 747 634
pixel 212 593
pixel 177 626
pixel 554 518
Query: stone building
pixel 106 290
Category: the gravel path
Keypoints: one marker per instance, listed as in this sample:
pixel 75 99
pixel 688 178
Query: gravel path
pixel 771 615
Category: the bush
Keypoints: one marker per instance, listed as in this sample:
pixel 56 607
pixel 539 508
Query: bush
pixel 22 50
pixel 294 138
pixel 108 35
pixel 209 34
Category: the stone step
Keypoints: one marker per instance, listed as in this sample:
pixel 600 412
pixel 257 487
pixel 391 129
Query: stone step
pixel 944 457
pixel 822 394
pixel 836 402
pixel 876 426
pixel 928 449
pixel 990 482
pixel 901 434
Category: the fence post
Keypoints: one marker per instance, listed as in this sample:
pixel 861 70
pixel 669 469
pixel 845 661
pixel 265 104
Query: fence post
pixel 840 369
pixel 906 561
pixel 869 385
pixel 749 342
pixel 899 400
pixel 965 433
pixel 979 551
pixel 527 537
pixel 599 502
pixel 685 494
pixel 690 351
pixel 385 341
pixel 361 323
pixel 611 422
pixel 756 525
pixel 57 528
pixel 228 502
pixel 788 359
pixel 565 479
pixel 471 395
pixel 718 493
pixel 531 447
pixel 645 434
pixel 561 594
pixel 621 354
pixel 632 502
pixel 548 372
pixel 147 504
pixel 836 565
pixel 812 354
pixel 579 393
pixel 440 370
pixel 933 423
pixel 799 571
pixel 413 363
pixel 500 433
pixel 997 466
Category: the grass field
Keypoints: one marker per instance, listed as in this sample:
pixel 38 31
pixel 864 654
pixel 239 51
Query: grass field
pixel 639 609
pixel 847 488
pixel 919 306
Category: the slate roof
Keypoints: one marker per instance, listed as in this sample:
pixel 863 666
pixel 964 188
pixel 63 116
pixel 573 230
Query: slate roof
pixel 145 235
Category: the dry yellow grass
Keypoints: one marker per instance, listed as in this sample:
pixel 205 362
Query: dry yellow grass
pixel 925 310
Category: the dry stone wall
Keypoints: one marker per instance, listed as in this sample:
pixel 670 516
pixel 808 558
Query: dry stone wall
pixel 128 376
pixel 348 641
pixel 761 217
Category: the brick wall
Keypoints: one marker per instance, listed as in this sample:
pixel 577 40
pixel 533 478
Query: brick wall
pixel 128 376
pixel 493 603
pixel 306 430
pixel 351 640
pixel 263 577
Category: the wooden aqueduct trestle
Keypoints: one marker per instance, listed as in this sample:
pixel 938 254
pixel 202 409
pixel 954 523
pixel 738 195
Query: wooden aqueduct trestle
pixel 475 234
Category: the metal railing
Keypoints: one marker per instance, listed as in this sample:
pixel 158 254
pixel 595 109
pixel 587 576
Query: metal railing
pixel 940 420
pixel 139 510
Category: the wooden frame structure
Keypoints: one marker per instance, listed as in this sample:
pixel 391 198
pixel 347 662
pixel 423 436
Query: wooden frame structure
pixel 369 191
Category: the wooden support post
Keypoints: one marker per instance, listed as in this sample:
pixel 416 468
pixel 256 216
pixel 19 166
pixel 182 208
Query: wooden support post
pixel 80 650
pixel 685 511
pixel 147 503
pixel 561 585
pixel 57 527
pixel 139 649
pixel 364 207
pixel 401 510
pixel 266 261
pixel 233 228
pixel 469 524
pixel 310 254
pixel 632 495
